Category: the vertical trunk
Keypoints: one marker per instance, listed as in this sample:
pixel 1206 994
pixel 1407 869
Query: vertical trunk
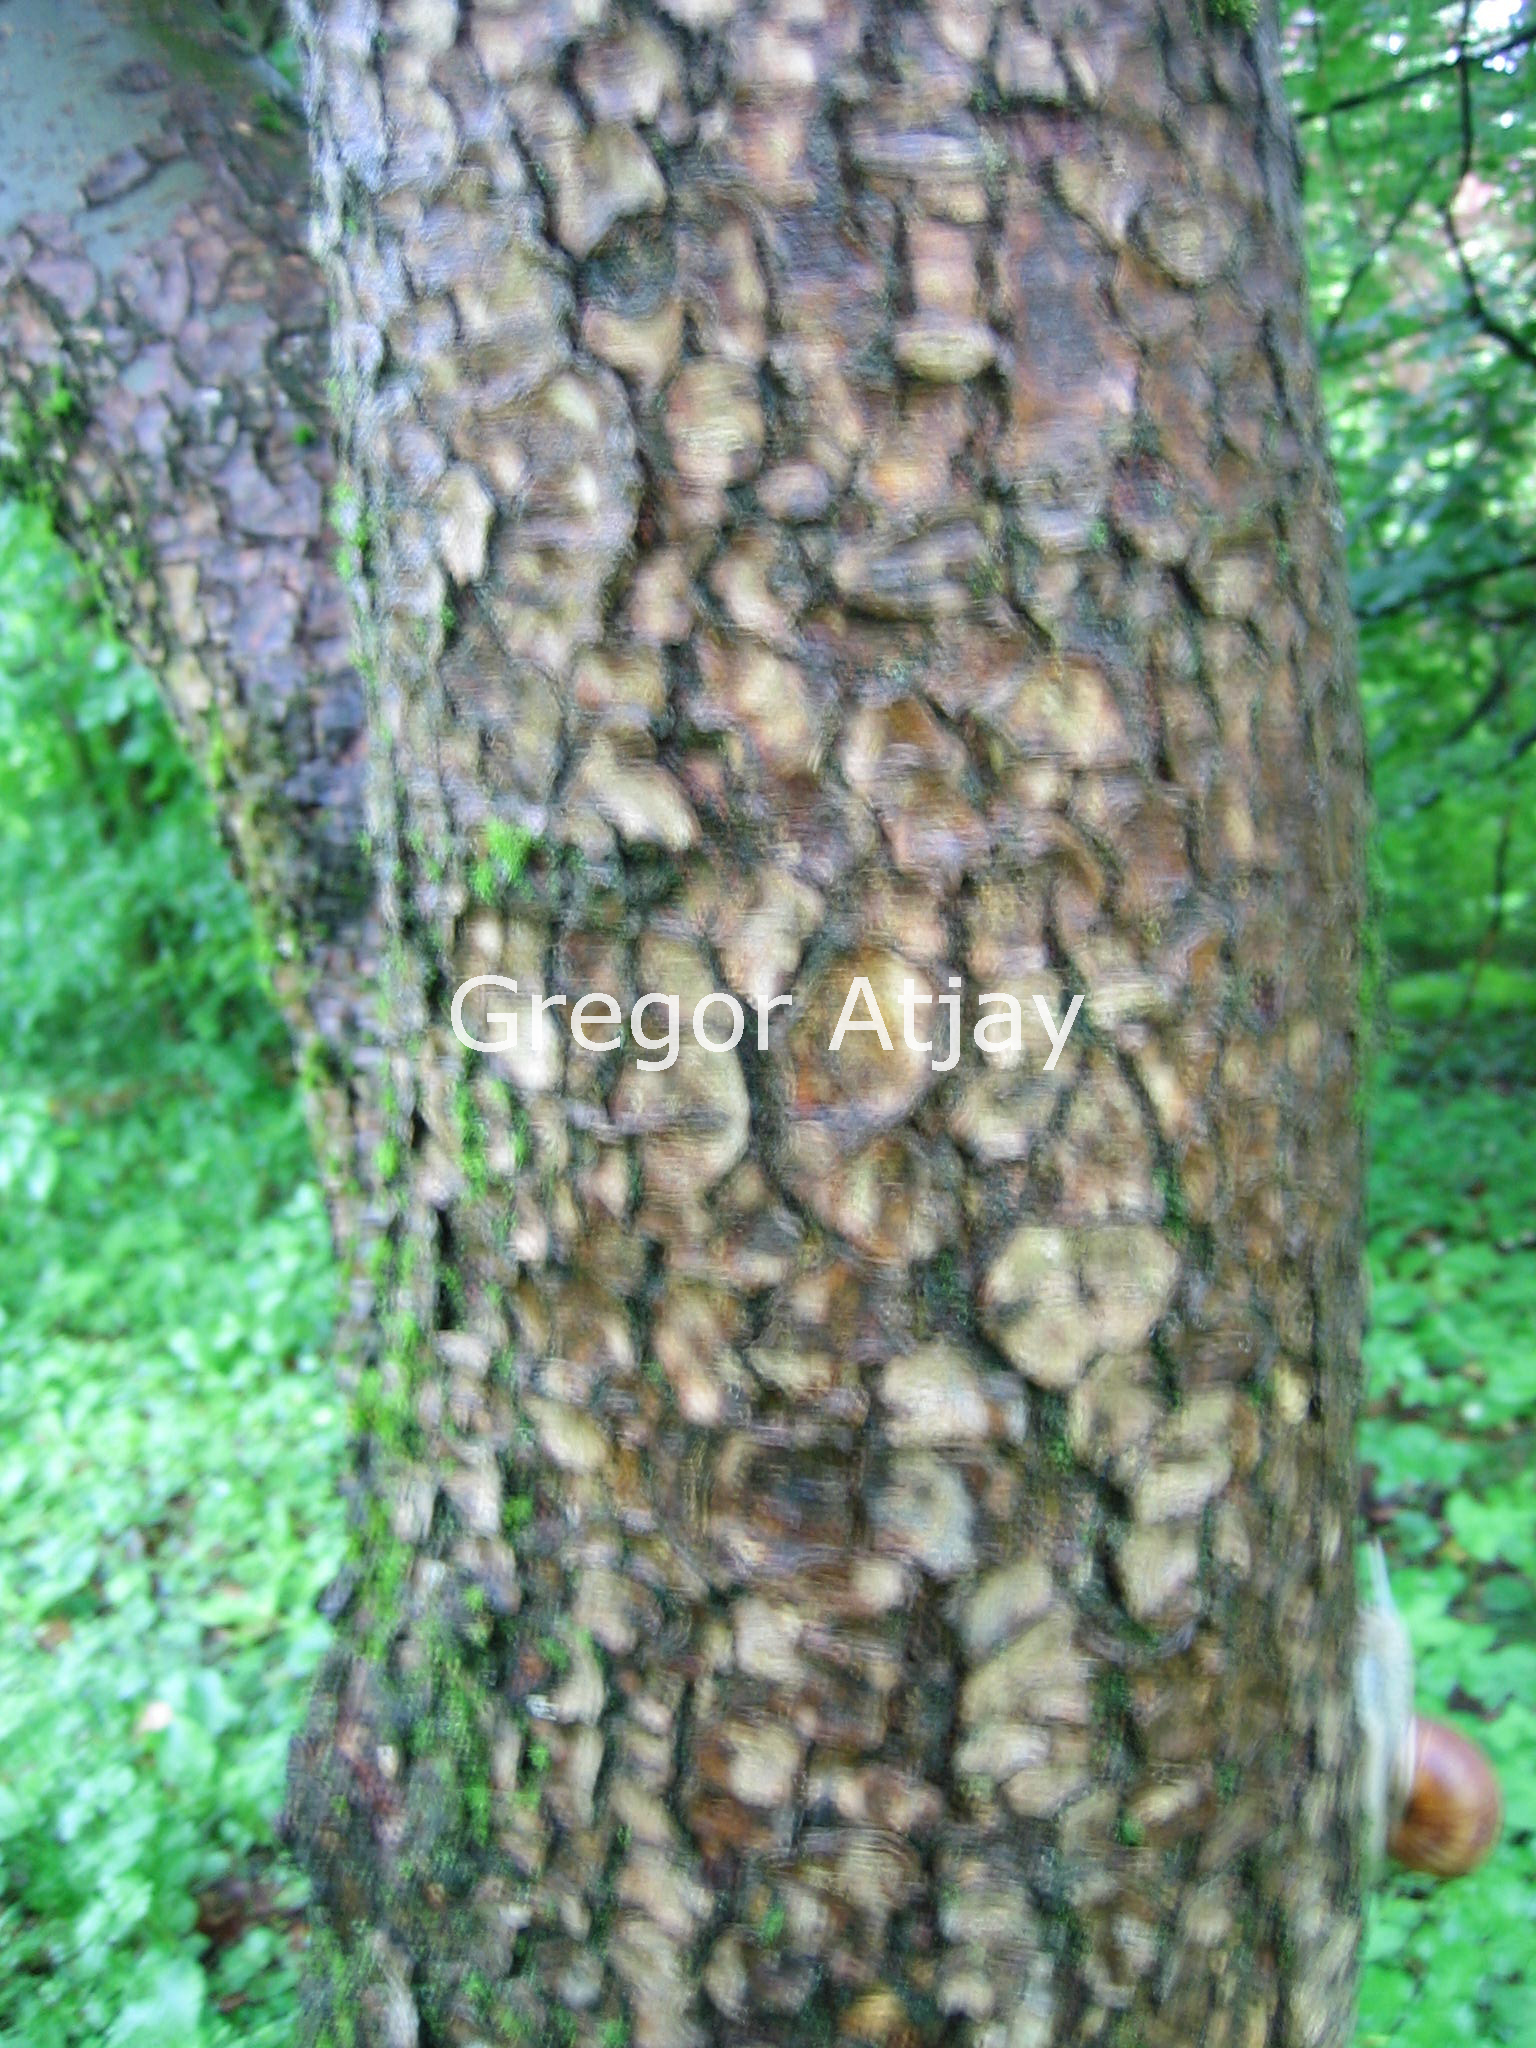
pixel 859 1551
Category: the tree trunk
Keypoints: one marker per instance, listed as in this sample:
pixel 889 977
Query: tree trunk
pixel 849 1549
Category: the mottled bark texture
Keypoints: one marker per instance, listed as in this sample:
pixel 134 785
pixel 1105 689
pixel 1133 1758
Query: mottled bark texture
pixel 857 1554
pixel 163 387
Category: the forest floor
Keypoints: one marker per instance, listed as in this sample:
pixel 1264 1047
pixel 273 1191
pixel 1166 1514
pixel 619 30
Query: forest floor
pixel 170 1440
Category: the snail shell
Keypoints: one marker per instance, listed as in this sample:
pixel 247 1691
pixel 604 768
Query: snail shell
pixel 1454 1810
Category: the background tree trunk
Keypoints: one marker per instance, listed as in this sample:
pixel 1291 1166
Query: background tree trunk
pixel 163 386
pixel 848 1552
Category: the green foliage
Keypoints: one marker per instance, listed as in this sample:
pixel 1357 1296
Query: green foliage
pixel 353 529
pixel 261 25
pixel 1449 1442
pixel 1421 214
pixel 271 115
pixel 1421 217
pixel 169 1439
pixel 501 865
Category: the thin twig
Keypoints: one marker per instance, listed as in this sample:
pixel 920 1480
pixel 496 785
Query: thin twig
pixel 1428 592
pixel 1482 314
pixel 1409 78
pixel 1379 248
pixel 1496 921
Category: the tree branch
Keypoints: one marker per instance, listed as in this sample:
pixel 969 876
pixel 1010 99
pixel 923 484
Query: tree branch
pixel 1464 87
pixel 1482 314
pixel 1402 83
pixel 1378 248
pixel 1427 593
pixel 1493 696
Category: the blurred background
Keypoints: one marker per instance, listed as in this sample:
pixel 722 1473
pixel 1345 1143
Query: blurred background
pixel 169 1437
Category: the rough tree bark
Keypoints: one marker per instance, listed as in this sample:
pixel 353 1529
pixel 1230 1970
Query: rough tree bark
pixel 847 1552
